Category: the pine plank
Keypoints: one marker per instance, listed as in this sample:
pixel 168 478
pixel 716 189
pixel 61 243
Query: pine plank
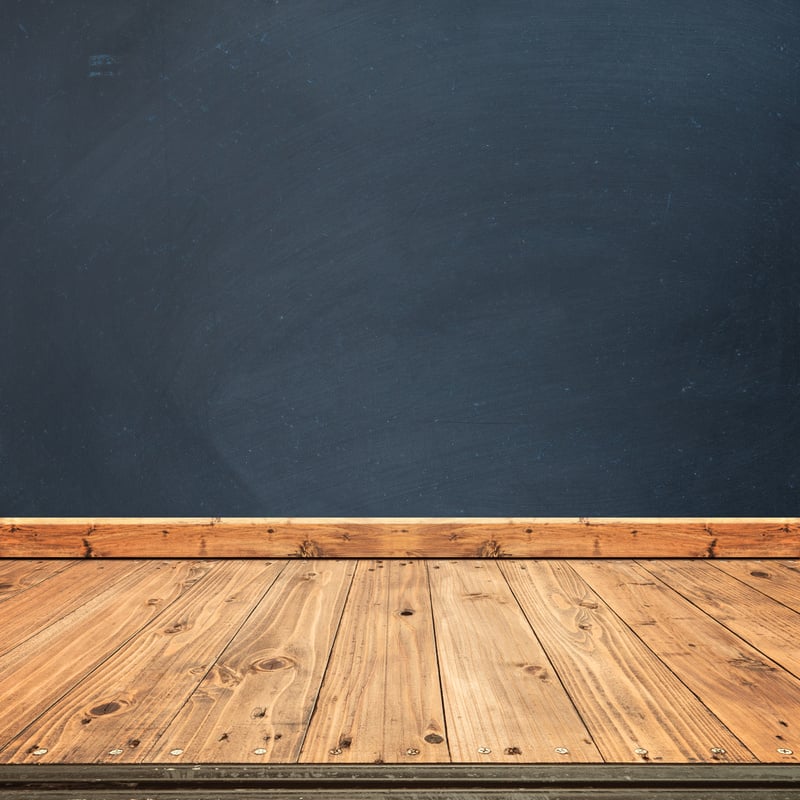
pixel 255 703
pixel 501 692
pixel 19 575
pixel 779 580
pixel 30 612
pixel 134 694
pixel 390 537
pixel 44 667
pixel 627 697
pixel 767 625
pixel 756 699
pixel 380 699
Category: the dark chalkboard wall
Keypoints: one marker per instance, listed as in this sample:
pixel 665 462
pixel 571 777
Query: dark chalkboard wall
pixel 360 257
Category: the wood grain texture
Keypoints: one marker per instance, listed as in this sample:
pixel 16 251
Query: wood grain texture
pixel 38 672
pixel 627 697
pixel 380 701
pixel 255 703
pixel 766 624
pixel 778 580
pixel 503 700
pixel 18 576
pixel 401 782
pixel 435 537
pixel 752 695
pixel 129 699
pixel 30 612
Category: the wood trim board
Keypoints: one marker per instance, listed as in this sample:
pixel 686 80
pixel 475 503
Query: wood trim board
pixel 403 782
pixel 398 537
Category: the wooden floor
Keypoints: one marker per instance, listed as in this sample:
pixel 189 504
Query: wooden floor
pixel 369 661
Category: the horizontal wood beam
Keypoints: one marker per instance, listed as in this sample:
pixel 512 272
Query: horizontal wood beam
pixel 382 537
pixel 403 782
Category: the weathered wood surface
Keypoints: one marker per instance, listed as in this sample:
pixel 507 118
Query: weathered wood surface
pixel 128 700
pixel 756 699
pixel 19 576
pixel 255 703
pixel 766 624
pixel 403 782
pixel 380 700
pixel 44 667
pixel 503 699
pixel 779 580
pixel 637 711
pixel 30 612
pixel 435 537
pixel 401 661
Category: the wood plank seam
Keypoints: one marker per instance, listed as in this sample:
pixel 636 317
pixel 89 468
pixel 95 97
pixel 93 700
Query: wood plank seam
pixel 747 640
pixel 334 639
pixel 123 642
pixel 610 605
pixel 445 732
pixel 214 661
pixel 719 667
pixel 550 662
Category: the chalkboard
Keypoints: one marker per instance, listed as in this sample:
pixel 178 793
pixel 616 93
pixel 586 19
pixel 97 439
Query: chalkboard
pixel 360 257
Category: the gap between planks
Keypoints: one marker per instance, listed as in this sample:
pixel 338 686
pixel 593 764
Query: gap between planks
pixel 391 661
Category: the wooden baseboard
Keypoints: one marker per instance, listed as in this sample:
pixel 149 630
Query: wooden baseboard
pixel 431 537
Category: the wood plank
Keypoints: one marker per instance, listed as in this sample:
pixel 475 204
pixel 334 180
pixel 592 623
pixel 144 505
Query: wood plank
pixel 135 693
pixel 29 613
pixel 764 623
pixel 501 692
pixel 18 576
pixel 255 703
pixel 380 699
pixel 756 699
pixel 403 782
pixel 779 580
pixel 432 537
pixel 43 668
pixel 627 697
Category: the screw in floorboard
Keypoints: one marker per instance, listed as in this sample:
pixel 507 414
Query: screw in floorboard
pixel 785 751
pixel 640 751
pixel 412 751
pixel 115 752
pixel 260 751
pixel 718 751
pixel 176 752
pixel 40 752
pixel 335 751
pixel 562 751
pixel 484 750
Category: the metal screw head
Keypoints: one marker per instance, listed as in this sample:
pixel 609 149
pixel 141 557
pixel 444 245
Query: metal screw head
pixel 785 751
pixel 412 751
pixel 718 751
pixel 335 751
pixel 176 752
pixel 484 750
pixel 259 751
pixel 40 752
pixel 562 751
pixel 115 752
pixel 640 751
